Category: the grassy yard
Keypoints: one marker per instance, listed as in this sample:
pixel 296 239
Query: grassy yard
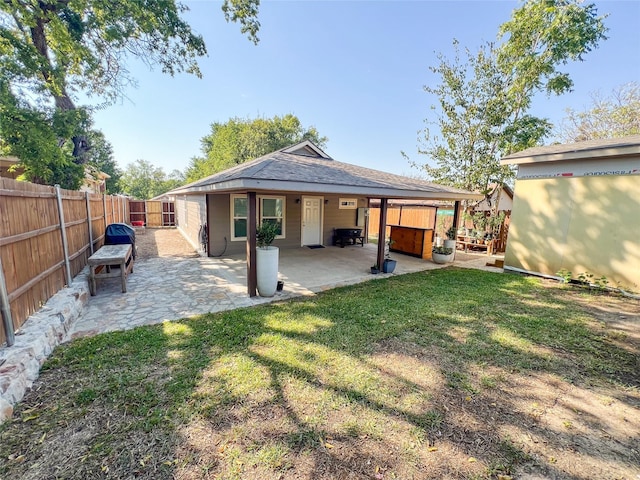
pixel 451 373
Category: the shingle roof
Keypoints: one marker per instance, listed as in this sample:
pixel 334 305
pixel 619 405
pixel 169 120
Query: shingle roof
pixel 291 172
pixel 569 151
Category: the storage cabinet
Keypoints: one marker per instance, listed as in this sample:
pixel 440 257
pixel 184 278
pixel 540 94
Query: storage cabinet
pixel 412 241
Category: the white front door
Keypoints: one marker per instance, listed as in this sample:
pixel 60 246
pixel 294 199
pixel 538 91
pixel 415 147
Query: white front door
pixel 312 220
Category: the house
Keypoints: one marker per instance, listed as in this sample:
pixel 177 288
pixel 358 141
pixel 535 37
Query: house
pixel 94 179
pixel 303 190
pixel 577 208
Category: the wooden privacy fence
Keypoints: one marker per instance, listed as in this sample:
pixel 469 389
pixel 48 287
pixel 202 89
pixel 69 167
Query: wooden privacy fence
pixel 46 236
pixel 153 213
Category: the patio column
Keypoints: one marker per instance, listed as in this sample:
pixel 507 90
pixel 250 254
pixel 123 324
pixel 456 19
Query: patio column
pixel 252 275
pixel 382 232
pixel 456 215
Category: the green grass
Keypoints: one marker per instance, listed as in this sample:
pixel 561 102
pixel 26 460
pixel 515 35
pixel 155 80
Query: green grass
pixel 363 373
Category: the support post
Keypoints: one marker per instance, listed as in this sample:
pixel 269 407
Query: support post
pixel 89 222
pixel 5 309
pixel 382 232
pixel 456 215
pixel 104 209
pixel 63 231
pixel 252 272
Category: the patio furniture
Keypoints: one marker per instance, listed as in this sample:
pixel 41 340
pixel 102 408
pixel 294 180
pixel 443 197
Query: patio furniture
pixel 348 236
pixel 102 262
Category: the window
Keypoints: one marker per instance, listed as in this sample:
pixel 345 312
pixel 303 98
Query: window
pixel 270 209
pixel 348 203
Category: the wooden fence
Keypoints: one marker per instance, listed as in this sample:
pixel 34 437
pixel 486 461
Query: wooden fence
pixel 46 236
pixel 153 213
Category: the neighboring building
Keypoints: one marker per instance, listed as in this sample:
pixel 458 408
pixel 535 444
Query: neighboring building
pixel 301 189
pixel 577 208
pixel 94 180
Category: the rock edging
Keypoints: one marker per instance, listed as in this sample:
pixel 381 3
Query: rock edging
pixel 41 333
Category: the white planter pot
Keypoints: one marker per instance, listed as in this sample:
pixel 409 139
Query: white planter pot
pixel 441 259
pixel 267 270
pixel 450 244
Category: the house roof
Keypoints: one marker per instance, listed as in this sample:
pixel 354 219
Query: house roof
pixel 305 168
pixel 589 149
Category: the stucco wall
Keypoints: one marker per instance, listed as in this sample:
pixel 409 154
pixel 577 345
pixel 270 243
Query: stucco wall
pixel 580 224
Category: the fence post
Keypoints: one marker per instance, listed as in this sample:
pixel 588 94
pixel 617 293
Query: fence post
pixel 104 209
pixel 63 230
pixel 5 309
pixel 89 222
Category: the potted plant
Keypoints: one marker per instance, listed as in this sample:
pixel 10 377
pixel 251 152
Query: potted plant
pixel 451 238
pixel 375 269
pixel 442 255
pixel 267 259
pixel 388 265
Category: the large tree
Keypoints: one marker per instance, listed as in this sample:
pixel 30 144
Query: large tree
pixel 143 180
pixel 615 115
pixel 484 99
pixel 51 50
pixel 241 139
pixel 100 157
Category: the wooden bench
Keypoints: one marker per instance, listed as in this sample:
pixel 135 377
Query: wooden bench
pixel 100 265
pixel 488 246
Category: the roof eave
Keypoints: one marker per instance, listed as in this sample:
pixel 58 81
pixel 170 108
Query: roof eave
pixel 284 186
pixel 595 153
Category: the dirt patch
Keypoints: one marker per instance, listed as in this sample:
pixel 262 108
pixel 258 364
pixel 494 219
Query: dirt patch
pixel 162 242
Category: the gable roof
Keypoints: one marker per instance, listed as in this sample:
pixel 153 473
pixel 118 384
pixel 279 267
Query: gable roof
pixel 306 168
pixel 610 147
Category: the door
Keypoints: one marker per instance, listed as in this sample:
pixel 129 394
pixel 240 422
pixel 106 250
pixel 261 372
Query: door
pixel 312 220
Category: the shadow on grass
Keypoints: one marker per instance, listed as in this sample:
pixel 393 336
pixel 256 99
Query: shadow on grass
pixel 389 378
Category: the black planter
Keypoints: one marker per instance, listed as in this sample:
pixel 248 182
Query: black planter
pixel 375 270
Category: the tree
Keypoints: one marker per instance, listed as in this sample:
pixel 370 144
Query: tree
pixel 100 156
pixel 483 101
pixel 241 139
pixel 617 115
pixel 143 181
pixel 51 50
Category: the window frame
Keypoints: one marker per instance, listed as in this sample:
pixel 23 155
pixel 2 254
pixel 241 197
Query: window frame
pixel 259 199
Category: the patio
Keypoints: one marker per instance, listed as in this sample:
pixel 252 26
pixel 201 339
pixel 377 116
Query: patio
pixel 170 282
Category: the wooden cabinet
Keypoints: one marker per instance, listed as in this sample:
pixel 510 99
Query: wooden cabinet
pixel 412 241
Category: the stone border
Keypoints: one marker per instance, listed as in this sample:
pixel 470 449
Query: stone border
pixel 35 340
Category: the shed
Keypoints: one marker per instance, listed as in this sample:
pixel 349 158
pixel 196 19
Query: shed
pixel 577 208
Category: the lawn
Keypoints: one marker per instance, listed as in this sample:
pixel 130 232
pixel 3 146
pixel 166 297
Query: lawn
pixel 451 373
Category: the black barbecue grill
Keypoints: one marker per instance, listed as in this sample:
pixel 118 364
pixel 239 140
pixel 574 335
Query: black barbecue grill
pixel 121 234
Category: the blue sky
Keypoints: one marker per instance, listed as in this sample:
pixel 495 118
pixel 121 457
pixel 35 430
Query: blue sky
pixel 353 69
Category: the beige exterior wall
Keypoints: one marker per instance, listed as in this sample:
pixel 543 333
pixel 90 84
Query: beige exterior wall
pixel 581 224
pixel 220 224
pixel 191 212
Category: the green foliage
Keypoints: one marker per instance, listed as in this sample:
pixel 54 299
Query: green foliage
pixel 100 156
pixel 51 50
pixel 242 139
pixel 266 234
pixel 483 99
pixel 616 115
pixel 442 250
pixel 143 181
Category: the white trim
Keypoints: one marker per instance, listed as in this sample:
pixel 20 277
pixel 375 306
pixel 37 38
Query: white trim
pixel 308 144
pixel 324 188
pixel 347 203
pixel 259 217
pixel 529 272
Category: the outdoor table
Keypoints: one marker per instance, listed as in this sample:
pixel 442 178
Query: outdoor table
pixel 107 256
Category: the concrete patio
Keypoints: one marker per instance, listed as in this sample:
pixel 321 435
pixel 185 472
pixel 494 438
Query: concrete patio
pixel 171 287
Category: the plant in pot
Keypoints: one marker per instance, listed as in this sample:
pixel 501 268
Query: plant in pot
pixel 451 238
pixel 388 265
pixel 267 259
pixel 442 255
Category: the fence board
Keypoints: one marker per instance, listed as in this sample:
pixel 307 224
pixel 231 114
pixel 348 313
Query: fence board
pixel 154 213
pixel 31 242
